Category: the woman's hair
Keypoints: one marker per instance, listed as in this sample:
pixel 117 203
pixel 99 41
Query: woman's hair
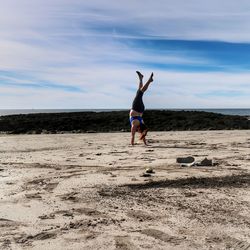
pixel 143 130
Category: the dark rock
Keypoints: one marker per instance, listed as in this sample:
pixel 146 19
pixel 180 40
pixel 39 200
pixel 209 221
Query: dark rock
pixel 185 160
pixel 205 162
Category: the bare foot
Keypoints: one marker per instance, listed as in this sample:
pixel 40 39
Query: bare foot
pixel 140 75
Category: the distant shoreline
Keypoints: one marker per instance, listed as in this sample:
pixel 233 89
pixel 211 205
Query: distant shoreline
pixel 224 111
pixel 118 121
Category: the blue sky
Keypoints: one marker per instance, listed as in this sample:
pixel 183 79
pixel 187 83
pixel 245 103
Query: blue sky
pixel 84 54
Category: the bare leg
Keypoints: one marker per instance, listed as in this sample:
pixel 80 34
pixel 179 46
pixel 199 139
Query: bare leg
pixel 140 75
pixel 145 86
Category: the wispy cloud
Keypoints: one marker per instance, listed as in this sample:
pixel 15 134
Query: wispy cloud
pixel 84 53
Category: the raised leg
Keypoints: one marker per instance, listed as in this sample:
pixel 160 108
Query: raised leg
pixel 140 75
pixel 145 86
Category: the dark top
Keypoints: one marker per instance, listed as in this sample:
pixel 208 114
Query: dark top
pixel 138 105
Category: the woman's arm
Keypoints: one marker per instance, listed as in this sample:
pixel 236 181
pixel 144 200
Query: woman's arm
pixel 133 130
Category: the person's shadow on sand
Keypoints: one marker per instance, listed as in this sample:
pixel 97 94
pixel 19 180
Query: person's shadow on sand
pixel 230 181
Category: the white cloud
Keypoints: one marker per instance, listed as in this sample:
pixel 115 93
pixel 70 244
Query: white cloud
pixel 169 90
pixel 78 43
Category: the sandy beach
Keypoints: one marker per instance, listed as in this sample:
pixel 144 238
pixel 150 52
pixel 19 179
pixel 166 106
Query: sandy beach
pixel 88 191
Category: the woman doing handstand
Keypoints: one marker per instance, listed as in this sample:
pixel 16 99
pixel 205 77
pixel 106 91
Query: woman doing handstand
pixel 135 114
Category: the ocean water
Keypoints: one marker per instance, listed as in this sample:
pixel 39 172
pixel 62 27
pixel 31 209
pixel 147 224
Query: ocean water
pixel 241 112
pixel 36 111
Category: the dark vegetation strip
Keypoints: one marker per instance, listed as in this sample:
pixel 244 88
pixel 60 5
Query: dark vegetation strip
pixel 114 121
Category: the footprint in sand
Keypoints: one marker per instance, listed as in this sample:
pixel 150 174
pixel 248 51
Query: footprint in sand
pixel 6 245
pixel 24 238
pixel 72 196
pixel 157 234
pixel 83 210
pixel 140 215
pixel 39 184
pixel 47 216
pixel 10 224
pixel 33 196
pixel 241 245
pixel 123 243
